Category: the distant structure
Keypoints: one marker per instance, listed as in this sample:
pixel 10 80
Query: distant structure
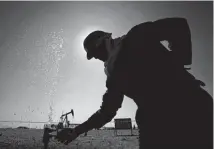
pixel 122 124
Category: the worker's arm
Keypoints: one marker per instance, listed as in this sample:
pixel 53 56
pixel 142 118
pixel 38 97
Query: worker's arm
pixel 112 101
pixel 177 32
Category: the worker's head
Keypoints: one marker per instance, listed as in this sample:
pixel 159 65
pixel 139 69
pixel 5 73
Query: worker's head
pixel 96 46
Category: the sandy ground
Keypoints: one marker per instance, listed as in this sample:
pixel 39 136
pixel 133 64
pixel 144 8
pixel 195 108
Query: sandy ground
pixel 96 139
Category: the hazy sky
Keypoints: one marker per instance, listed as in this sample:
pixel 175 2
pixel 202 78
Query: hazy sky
pixel 43 64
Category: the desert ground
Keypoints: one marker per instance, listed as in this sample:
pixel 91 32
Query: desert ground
pixel 95 139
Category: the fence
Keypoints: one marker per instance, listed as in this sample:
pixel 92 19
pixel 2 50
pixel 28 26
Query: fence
pixel 40 124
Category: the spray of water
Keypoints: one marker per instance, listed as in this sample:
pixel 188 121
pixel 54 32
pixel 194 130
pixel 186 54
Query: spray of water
pixel 53 53
pixel 43 62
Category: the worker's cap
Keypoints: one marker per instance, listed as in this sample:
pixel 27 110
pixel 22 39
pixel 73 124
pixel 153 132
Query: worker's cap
pixel 92 40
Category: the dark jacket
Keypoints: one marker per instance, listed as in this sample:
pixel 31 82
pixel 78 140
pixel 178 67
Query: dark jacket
pixel 165 92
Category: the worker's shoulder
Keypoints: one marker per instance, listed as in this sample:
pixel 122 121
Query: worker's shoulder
pixel 134 28
pixel 142 25
pixel 167 20
pixel 139 30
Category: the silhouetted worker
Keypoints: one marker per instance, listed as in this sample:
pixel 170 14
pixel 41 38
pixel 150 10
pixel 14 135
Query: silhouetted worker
pixel 173 110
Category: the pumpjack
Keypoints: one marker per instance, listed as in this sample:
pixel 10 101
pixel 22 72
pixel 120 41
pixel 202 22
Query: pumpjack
pixel 49 129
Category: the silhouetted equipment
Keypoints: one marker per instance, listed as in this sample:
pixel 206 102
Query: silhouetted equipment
pixel 65 116
pixel 122 124
pixel 22 127
pixel 62 125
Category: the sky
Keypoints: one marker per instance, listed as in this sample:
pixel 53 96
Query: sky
pixel 43 67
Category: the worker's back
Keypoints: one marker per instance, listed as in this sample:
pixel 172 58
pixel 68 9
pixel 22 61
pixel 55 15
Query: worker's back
pixel 143 65
pixel 168 97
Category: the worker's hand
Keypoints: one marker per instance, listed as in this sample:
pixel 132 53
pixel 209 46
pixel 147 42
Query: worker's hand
pixel 71 136
pixel 62 134
pixel 66 135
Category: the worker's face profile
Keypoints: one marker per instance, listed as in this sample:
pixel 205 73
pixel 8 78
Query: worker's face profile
pixel 100 51
pixel 99 48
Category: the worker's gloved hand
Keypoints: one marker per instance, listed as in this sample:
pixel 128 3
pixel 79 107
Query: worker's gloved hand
pixel 66 135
